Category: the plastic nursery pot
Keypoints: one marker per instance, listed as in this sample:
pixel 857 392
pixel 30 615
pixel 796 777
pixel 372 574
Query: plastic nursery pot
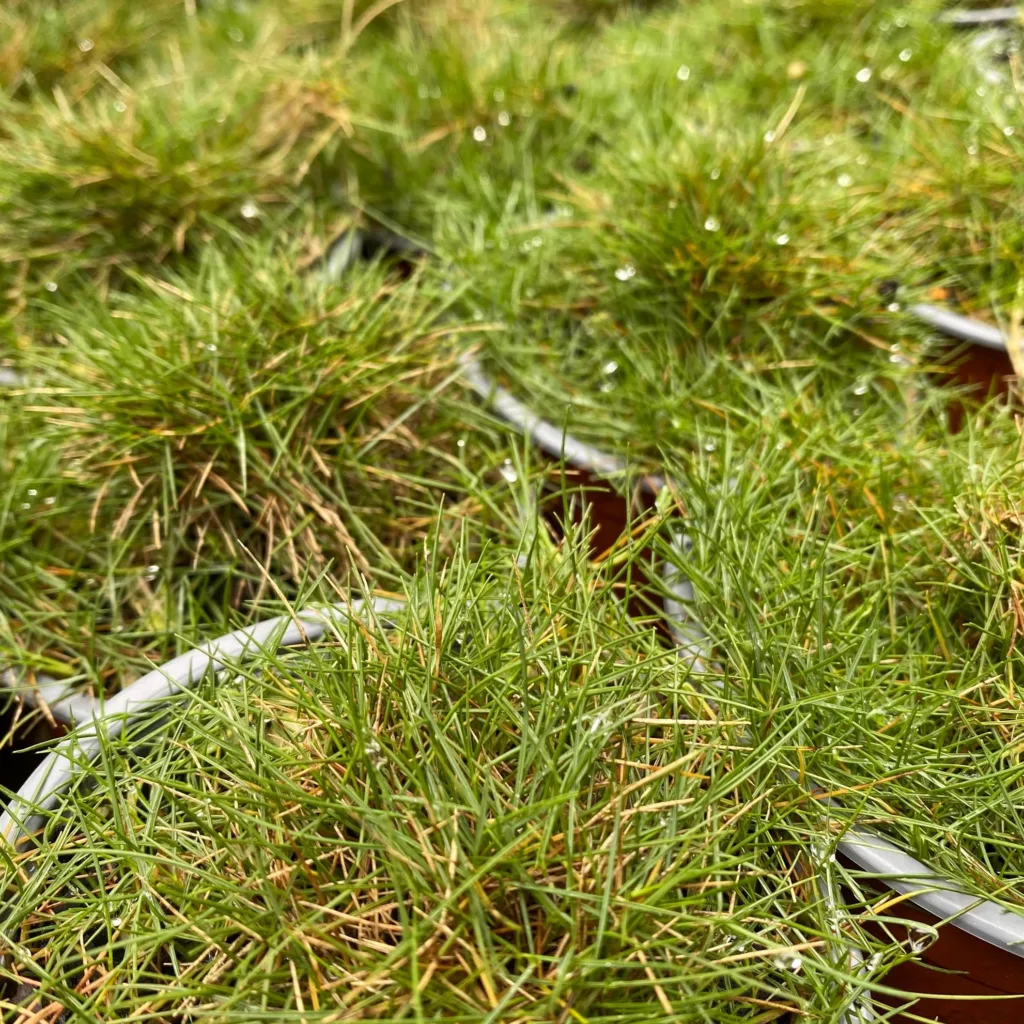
pixel 981 949
pixel 985 367
pixel 30 809
pixel 41 790
pixel 964 977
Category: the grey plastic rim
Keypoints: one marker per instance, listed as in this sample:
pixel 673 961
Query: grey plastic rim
pixel 546 436
pixel 60 698
pixel 961 327
pixel 984 16
pixel 939 896
pixel 690 637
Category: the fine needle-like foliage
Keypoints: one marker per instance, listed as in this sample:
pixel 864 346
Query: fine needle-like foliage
pixel 688 233
pixel 508 803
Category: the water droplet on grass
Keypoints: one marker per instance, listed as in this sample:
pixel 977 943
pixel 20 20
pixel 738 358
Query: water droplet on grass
pixel 120 106
pixel 844 181
pixel 508 472
pixel 626 272
pixel 972 149
pixel 610 367
pixel 860 389
pixel 864 75
pixel 683 73
pixel 32 492
pixel 782 239
pixel 905 55
pixel 235 34
pixel 461 442
pixel 85 45
pixel 499 95
pixel 790 962
pixel 710 446
pixel 249 210
pixel 769 136
pixel 49 500
pixel 893 307
pixel 51 286
pixel 479 133
pixel 712 224
pixel 504 118
pixel 716 174
pixel 1007 131
pixel 25 506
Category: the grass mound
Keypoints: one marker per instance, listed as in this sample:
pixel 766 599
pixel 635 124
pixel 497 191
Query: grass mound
pixel 496 806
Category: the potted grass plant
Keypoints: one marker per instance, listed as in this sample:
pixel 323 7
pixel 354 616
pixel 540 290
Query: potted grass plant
pixel 376 805
pixel 137 708
pixel 508 797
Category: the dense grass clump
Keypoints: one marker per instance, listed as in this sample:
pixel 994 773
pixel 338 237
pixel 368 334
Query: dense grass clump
pixel 497 804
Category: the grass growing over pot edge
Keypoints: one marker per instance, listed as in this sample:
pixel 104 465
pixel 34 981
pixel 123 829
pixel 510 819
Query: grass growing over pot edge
pixel 671 246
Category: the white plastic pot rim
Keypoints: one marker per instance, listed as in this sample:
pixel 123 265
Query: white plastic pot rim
pixel 546 436
pixel 962 327
pixel 967 17
pixel 939 896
